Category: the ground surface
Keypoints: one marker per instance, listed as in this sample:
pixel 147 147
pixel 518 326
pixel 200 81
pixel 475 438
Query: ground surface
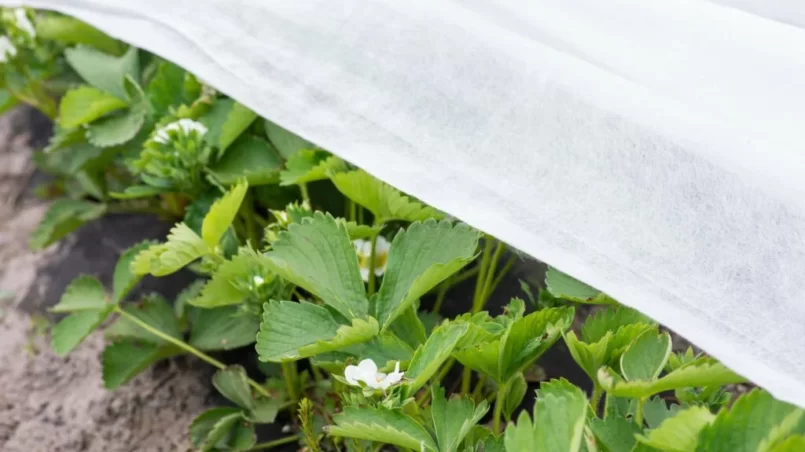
pixel 48 403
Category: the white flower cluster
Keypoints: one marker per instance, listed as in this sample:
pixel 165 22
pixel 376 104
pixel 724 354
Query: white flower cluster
pixel 365 374
pixel 364 250
pixel 185 125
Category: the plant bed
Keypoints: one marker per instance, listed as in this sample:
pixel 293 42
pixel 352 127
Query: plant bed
pixel 336 312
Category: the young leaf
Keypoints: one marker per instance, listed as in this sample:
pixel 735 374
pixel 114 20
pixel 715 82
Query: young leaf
pixel 84 293
pixel 251 158
pixel 308 165
pixel 117 129
pixel 167 88
pixel 222 289
pixel 610 319
pixel 679 433
pixel 646 357
pixel 697 374
pixel 52 27
pixel 590 357
pixel 154 311
pixel 85 104
pixel 73 329
pixel 203 424
pixel 384 201
pixel 233 384
pixel 318 256
pixel 616 434
pixel 420 258
pixel 528 338
pixel 223 329
pixel 383 425
pixel 105 72
pixel 564 286
pixel 222 213
pixel 226 120
pixel 286 142
pixel 124 280
pixel 409 328
pixel 558 424
pixel 183 247
pixel 517 389
pixel 230 432
pixel 265 410
pixel 63 217
pixel 123 360
pixel 429 356
pixel 453 419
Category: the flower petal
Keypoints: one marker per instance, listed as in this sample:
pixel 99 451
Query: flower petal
pixel 353 374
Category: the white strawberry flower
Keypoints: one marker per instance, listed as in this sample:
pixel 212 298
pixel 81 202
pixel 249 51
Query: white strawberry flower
pixel 258 281
pixel 23 23
pixel 364 250
pixel 366 374
pixel 7 49
pixel 185 125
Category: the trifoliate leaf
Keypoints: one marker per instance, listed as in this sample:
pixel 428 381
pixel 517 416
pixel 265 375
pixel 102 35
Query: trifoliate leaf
pixel 558 423
pixel 383 425
pixel 167 88
pixel 225 121
pixel 265 410
pixel 318 256
pixel 384 201
pixel 124 279
pixel 117 129
pixel 679 433
pixel 204 423
pixel 222 213
pixel 564 286
pixel 292 330
pixel 420 258
pixel 308 165
pixel 233 383
pixel 646 357
pixel 85 104
pixel 63 217
pixel 123 360
pixel 138 191
pixel 52 27
pixel 286 142
pixel 429 356
pixel 183 247
pixel 453 419
pixel 223 328
pixel 154 311
pixel 103 71
pixel 231 282
pixel 623 337
pixel 84 293
pixel 251 158
pixel 74 328
pixel 698 374
pixel 656 410
pixel 616 434
pixel 755 421
pixel 609 319
pixel 590 357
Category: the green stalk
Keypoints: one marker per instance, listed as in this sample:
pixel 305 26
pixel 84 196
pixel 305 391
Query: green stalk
pixel 186 347
pixel 275 443
pixel 490 275
pixel 638 415
pixel 499 401
pixel 305 194
pixel 596 398
pixel 289 375
pixel 437 305
pixel 479 387
pixel 372 278
pixel 481 273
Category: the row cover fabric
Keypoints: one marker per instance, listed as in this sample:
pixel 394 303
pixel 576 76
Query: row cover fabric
pixel 653 149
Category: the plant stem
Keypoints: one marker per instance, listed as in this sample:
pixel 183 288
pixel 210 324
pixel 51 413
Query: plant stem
pixel 289 375
pixel 638 415
pixel 186 347
pixel 352 210
pixel 372 278
pixel 499 401
pixel 275 443
pixel 481 273
pixel 490 275
pixel 479 387
pixel 466 380
pixel 596 398
pixel 503 271
pixel 305 194
pixel 437 305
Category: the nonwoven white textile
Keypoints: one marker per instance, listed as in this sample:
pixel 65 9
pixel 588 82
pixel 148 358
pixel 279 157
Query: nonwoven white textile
pixel 654 149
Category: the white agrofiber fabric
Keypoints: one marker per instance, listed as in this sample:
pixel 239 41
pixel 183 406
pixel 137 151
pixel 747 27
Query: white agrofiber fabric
pixel 653 149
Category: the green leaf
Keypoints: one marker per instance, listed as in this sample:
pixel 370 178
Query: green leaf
pixel 698 374
pixel 308 165
pixel 223 328
pixel 429 356
pixel 286 142
pixel 123 360
pixel 646 357
pixel 203 424
pixel 154 311
pixel 226 120
pixel 517 389
pixel 63 217
pixel 265 411
pixel 656 410
pixel 590 357
pixel 564 286
pixel 755 421
pixel 116 130
pixel 103 71
pixel 124 280
pixel 420 258
pixel 617 434
pixel 383 425
pixel 233 384
pixel 183 247
pixel 167 88
pixel 51 27
pixel 794 443
pixel 610 319
pixel 251 158
pixel 530 337
pixel 231 282
pixel 292 330
pixel 7 100
pixel 558 424
pixel 73 329
pixel 219 430
pixel 453 419
pixel 85 104
pixel 384 201
pixel 222 213
pixel 318 256
pixel 409 328
pixel 84 293
pixel 679 433
pixel 138 191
